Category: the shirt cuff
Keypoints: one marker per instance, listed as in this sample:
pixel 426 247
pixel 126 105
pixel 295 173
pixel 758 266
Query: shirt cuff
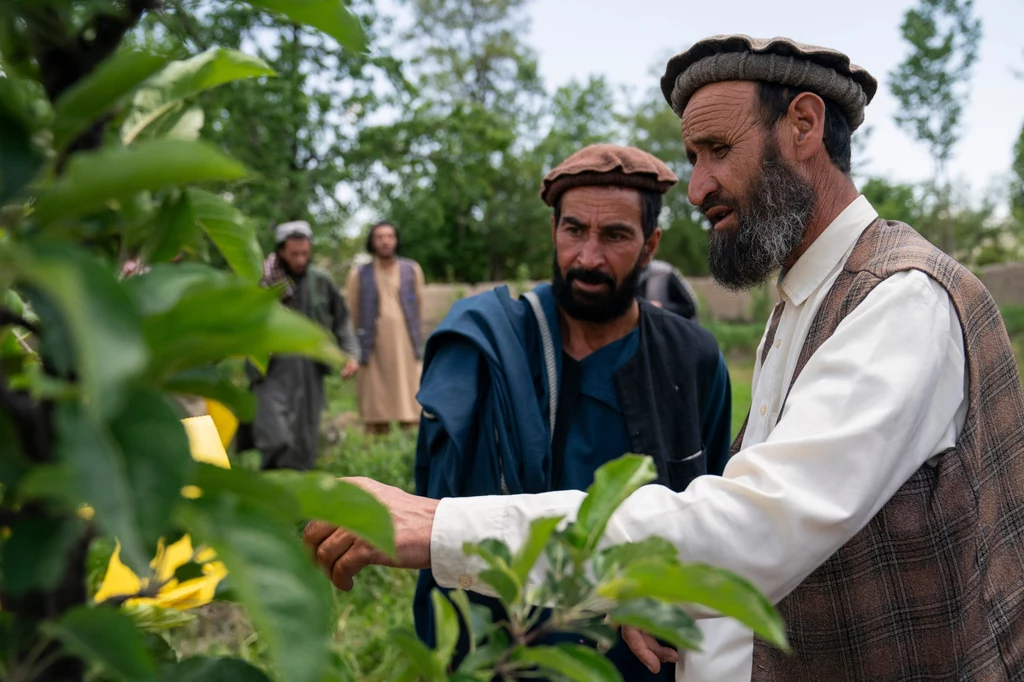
pixel 456 522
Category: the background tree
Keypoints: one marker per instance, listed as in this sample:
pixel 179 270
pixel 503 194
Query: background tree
pixel 294 130
pixel 446 168
pixel 654 127
pixel 931 85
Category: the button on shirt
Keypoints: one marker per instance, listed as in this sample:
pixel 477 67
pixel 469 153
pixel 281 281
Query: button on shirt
pixel 878 400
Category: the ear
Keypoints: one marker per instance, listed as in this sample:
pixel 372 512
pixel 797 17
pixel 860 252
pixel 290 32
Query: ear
pixel 651 247
pixel 806 123
pixel 554 228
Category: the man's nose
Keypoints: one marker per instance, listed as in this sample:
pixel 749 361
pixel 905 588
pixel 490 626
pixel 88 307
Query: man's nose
pixel 591 253
pixel 702 183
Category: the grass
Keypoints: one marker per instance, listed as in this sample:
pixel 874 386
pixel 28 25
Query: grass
pixel 382 598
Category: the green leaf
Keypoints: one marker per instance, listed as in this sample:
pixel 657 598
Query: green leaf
pixel 97 560
pixel 105 328
pixel 597 631
pixel 108 638
pixel 322 496
pixel 692 583
pixel 207 325
pixel 188 571
pixel 35 556
pixel 131 475
pixel 493 551
pixel 159 649
pixel 572 661
pixel 446 626
pixel 13 465
pixel 208 382
pixel 165 285
pixel 89 99
pixel 251 488
pixel 476 616
pixel 285 596
pixel 212 670
pixel 151 618
pixel 504 582
pixel 417 655
pixel 101 479
pixel 183 79
pixel 157 461
pixel 485 656
pixel 667 622
pixel 232 320
pixel 329 16
pixel 287 331
pixel 618 557
pixel 92 179
pixel 189 125
pixel 175 227
pixel 21 158
pixel 613 483
pixel 526 557
pixel 233 234
pixel 500 575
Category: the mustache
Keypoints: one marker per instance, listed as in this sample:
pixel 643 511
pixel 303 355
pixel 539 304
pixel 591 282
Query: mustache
pixel 589 277
pixel 715 200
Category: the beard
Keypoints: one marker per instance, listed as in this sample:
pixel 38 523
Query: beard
pixel 595 307
pixel 770 224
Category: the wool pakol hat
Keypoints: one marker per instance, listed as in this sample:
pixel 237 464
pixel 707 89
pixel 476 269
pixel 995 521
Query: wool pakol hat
pixel 607 164
pixel 826 72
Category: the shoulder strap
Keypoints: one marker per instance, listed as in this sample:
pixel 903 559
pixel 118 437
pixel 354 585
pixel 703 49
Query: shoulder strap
pixel 549 357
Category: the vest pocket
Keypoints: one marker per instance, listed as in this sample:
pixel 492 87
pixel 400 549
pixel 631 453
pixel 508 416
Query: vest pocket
pixel 682 471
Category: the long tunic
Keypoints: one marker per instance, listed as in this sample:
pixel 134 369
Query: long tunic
pixel 290 398
pixel 388 383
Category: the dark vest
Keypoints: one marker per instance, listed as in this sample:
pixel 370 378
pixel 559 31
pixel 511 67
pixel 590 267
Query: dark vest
pixel 662 391
pixel 368 306
pixel 933 587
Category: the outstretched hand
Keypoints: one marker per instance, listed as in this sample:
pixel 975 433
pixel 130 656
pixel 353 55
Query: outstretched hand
pixel 342 555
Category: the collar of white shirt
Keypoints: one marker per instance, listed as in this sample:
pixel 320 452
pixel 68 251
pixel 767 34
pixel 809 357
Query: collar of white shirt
pixel 828 250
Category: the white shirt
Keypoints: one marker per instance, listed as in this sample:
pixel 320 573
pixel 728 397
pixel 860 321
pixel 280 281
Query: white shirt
pixel 878 400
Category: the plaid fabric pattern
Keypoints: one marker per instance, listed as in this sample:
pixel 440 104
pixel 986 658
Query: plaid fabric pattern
pixel 274 275
pixel 933 587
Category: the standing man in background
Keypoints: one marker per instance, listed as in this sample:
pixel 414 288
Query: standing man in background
pixel 386 296
pixel 290 397
pixel 665 287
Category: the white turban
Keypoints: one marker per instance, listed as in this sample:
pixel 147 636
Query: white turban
pixel 294 228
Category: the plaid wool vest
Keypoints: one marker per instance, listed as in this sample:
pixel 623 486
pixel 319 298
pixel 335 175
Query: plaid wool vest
pixel 933 587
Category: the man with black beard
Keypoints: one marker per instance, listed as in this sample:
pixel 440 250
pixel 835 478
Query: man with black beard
pixel 533 395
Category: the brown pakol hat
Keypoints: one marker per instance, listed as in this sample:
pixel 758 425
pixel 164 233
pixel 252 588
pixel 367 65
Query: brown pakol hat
pixel 607 164
pixel 823 71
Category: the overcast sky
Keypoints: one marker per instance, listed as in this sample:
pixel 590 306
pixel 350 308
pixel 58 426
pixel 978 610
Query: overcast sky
pixel 625 40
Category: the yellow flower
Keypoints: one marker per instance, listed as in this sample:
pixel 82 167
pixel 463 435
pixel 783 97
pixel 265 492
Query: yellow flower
pixel 206 446
pixel 120 580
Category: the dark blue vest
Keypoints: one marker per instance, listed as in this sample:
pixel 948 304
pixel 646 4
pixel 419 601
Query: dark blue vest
pixel 368 304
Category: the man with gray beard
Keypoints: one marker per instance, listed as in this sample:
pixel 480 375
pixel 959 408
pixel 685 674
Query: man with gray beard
pixel 874 494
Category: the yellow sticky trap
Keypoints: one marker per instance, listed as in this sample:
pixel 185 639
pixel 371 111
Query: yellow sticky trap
pixel 205 441
pixel 206 446
pixel 224 420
